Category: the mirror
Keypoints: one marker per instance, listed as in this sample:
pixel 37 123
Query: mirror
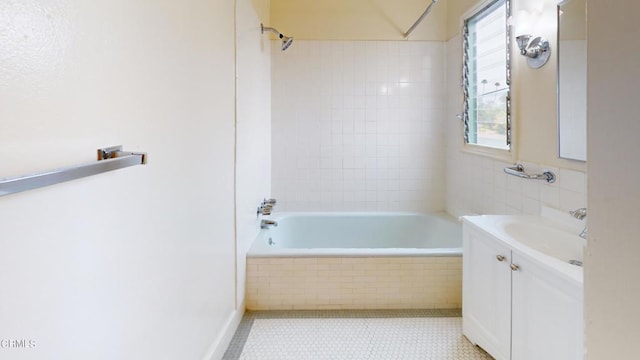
pixel 572 80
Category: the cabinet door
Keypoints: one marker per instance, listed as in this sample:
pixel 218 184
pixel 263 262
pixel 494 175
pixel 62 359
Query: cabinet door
pixel 486 293
pixel 547 314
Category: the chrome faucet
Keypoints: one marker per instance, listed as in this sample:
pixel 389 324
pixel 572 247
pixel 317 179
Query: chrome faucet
pixel 266 207
pixel 265 224
pixel 581 214
pixel 271 202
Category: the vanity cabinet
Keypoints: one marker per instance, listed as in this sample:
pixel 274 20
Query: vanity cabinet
pixel 515 307
pixel 486 293
pixel 546 314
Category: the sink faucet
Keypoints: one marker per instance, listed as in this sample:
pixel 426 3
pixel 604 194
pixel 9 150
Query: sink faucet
pixel 581 214
pixel 265 224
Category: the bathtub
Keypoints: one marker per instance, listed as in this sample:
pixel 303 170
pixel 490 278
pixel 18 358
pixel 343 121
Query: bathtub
pixel 360 234
pixel 356 261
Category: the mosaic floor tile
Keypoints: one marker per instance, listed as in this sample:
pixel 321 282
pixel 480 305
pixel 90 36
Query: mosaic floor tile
pixel 300 336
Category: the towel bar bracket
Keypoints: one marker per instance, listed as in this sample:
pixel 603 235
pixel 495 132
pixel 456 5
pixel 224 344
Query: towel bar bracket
pixel 113 152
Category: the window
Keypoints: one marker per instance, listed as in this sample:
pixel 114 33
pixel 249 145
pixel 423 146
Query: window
pixel 486 77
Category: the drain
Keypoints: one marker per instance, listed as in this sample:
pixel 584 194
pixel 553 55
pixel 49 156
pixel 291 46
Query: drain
pixel 271 242
pixel 575 262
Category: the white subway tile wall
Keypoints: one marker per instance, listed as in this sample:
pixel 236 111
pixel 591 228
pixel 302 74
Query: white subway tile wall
pixel 354 283
pixel 358 125
pixel 478 185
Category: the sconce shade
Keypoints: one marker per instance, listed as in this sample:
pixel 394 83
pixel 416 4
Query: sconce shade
pixel 523 41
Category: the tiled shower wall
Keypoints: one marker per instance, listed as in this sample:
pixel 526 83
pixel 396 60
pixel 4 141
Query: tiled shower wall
pixel 357 125
pixel 478 185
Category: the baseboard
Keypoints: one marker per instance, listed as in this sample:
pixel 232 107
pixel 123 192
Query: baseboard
pixel 221 343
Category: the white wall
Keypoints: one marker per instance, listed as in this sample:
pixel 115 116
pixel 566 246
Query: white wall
pixel 612 289
pixel 478 185
pixel 357 125
pixel 253 162
pixel 136 263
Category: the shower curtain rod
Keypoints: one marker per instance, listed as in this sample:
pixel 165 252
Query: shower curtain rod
pixel 424 14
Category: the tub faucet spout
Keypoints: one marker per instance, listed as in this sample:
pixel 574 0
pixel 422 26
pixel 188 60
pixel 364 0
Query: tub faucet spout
pixel 265 224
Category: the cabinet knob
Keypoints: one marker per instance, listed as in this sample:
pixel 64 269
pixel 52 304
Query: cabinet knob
pixel 500 258
pixel 515 267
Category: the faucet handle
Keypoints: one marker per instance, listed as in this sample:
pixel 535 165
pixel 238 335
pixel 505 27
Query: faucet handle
pixel 266 207
pixel 579 214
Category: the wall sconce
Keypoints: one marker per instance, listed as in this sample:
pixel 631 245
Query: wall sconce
pixel 537 50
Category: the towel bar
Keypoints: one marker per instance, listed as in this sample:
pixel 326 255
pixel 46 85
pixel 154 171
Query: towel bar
pixel 518 170
pixel 109 159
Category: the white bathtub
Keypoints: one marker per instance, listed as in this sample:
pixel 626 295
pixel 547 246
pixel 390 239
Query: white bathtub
pixel 356 261
pixel 359 234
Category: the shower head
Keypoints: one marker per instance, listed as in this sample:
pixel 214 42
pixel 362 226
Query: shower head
pixel 286 40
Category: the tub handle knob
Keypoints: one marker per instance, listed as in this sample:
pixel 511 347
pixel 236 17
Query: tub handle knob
pixel 515 267
pixel 500 258
pixel 266 210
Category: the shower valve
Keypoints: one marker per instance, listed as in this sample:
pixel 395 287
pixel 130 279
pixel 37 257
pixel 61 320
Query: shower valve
pixel 266 207
pixel 270 202
pixel 266 210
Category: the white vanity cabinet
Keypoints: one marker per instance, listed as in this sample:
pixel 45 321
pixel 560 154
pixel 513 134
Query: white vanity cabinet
pixel 546 315
pixel 486 293
pixel 515 307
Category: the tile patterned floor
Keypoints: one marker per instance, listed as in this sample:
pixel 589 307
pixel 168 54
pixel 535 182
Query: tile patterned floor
pixel 389 334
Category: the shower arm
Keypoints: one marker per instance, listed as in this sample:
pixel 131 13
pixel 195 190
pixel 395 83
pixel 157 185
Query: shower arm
pixel 424 14
pixel 286 40
pixel 273 30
